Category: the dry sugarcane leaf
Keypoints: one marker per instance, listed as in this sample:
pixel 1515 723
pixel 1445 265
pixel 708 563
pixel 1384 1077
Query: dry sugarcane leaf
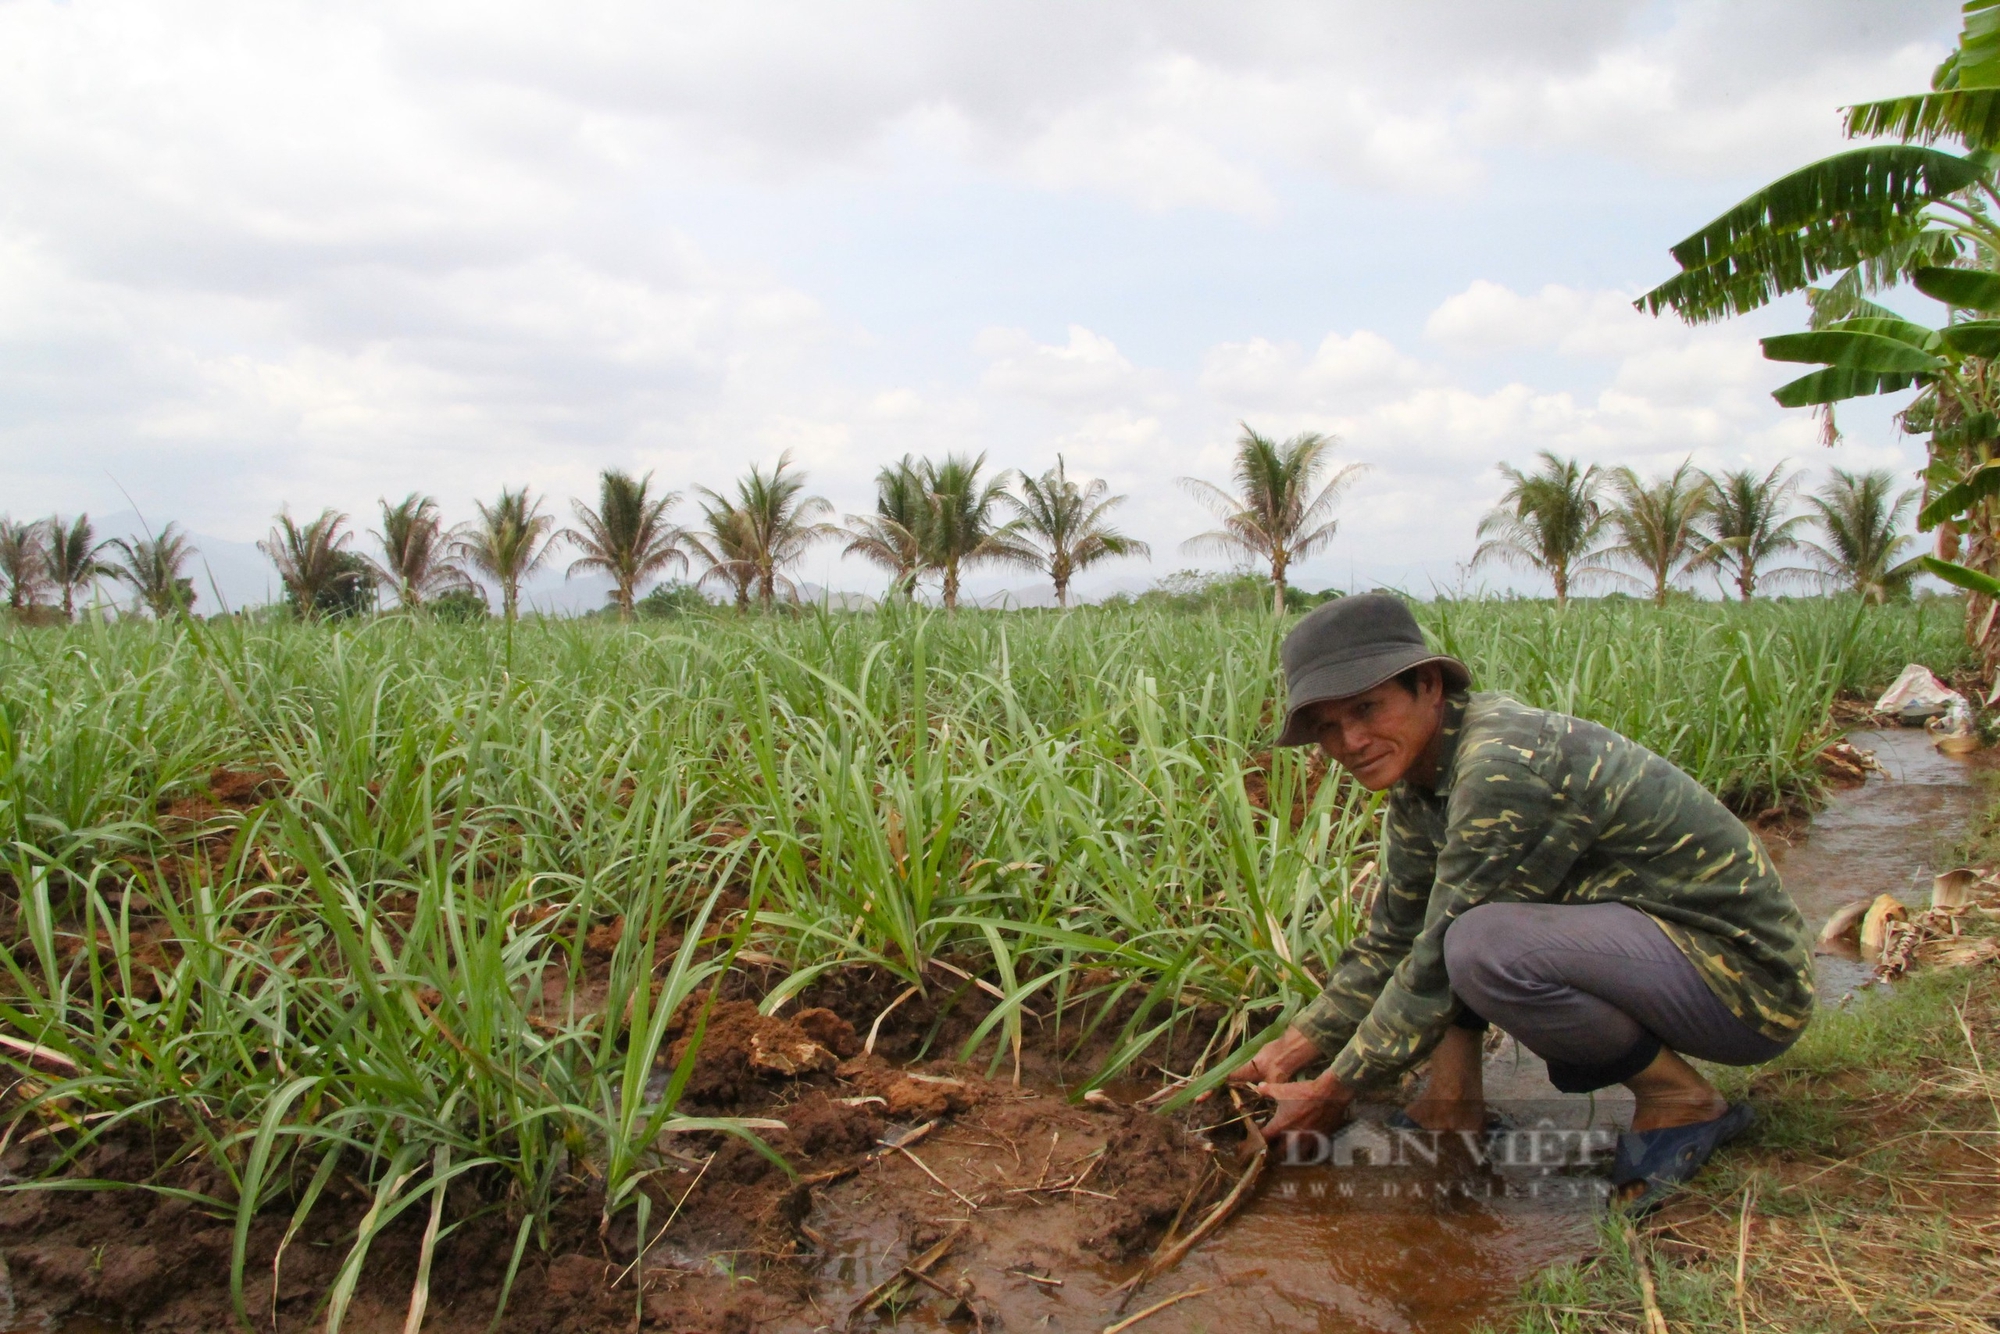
pixel 1959 887
pixel 920 1266
pixel 1899 943
pixel 1953 889
pixel 1959 952
pixel 1171 1253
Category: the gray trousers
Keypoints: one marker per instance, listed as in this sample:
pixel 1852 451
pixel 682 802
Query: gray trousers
pixel 1594 989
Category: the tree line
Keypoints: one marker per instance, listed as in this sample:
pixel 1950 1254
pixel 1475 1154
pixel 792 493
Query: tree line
pixel 1574 523
pixel 932 518
pixel 936 519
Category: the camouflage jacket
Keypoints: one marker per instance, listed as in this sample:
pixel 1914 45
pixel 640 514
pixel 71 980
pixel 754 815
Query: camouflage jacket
pixel 1538 807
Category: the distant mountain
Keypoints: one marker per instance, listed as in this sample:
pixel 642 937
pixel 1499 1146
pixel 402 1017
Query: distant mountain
pixel 835 599
pixel 227 575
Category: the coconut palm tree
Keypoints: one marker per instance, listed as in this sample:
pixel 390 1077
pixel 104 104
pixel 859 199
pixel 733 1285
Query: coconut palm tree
pixel 893 536
pixel 1659 525
pixel 74 559
pixel 24 563
pixel 729 547
pixel 153 567
pixel 627 536
pixel 1547 520
pixel 1062 528
pixel 508 543
pixel 960 526
pixel 313 560
pixel 1745 527
pixel 1275 515
pixel 764 530
pixel 416 552
pixel 1859 517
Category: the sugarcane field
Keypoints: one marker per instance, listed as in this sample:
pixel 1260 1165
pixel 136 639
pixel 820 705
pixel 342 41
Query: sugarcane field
pixel 643 754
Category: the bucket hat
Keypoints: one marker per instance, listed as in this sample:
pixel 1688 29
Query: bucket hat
pixel 1347 646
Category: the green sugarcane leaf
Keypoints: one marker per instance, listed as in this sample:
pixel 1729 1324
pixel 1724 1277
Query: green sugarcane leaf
pixel 1837 384
pixel 1970 580
pixel 1852 351
pixel 1967 289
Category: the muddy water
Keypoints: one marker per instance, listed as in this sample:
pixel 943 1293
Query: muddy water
pixel 1415 1246
pixel 1397 1233
pixel 1889 836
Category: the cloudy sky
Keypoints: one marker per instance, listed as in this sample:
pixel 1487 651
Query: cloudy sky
pixel 256 255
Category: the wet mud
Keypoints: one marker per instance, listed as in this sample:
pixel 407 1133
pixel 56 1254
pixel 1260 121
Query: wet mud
pixel 1888 835
pixel 1036 1207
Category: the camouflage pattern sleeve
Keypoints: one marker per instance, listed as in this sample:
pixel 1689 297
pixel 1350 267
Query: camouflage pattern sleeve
pixel 1508 836
pixel 1408 862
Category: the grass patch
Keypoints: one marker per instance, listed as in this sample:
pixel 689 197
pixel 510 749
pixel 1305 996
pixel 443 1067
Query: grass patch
pixel 1869 1185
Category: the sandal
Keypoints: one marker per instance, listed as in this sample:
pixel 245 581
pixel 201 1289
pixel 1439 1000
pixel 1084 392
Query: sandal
pixel 1666 1159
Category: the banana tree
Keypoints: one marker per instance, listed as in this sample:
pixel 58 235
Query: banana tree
pixel 1879 352
pixel 1872 215
pixel 1962 483
pixel 1871 218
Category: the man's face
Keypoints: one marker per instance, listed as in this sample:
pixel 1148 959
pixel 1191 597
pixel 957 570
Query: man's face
pixel 1379 736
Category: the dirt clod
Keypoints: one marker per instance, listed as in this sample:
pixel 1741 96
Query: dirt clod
pixel 1149 1167
pixel 742 1051
pixel 829 1030
pixel 783 1054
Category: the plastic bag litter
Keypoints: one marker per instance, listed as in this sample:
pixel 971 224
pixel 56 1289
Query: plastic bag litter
pixel 1917 696
pixel 1953 734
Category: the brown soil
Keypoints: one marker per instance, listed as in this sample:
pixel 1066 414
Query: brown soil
pixel 1059 1188
pixel 1257 783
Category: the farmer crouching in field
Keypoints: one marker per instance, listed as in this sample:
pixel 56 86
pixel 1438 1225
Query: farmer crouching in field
pixel 1541 873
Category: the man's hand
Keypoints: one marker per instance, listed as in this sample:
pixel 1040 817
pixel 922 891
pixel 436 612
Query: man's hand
pixel 1313 1105
pixel 1277 1061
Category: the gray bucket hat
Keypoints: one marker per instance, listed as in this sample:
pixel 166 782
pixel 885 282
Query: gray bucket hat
pixel 1347 646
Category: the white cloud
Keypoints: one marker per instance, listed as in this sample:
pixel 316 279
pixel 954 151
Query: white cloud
pixel 1487 317
pixel 1722 88
pixel 310 254
pixel 1343 372
pixel 1432 438
pixel 1088 370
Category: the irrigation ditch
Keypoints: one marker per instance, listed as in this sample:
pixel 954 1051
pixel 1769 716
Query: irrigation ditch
pixel 689 986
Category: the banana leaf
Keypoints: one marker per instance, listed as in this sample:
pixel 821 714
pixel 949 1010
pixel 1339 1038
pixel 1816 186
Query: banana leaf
pixel 1968 289
pixel 1852 351
pixel 1838 383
